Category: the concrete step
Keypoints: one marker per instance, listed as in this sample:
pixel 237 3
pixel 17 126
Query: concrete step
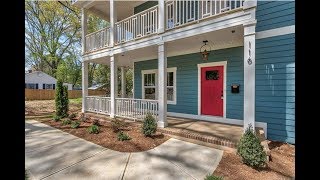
pixel 201 139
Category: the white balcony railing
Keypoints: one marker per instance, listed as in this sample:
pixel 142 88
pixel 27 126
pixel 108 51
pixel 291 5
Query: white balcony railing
pixel 98 104
pixel 98 40
pixel 137 26
pixel 145 23
pixel 136 108
pixel 179 12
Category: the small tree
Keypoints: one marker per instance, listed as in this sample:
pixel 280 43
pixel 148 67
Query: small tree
pixel 65 101
pixel 149 125
pixel 251 150
pixel 61 100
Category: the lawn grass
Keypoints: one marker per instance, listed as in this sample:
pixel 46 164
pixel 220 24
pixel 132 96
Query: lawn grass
pixel 77 101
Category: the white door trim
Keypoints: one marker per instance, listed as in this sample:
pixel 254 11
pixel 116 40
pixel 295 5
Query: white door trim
pixel 220 63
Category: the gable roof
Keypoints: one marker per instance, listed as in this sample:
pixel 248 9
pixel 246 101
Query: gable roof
pixel 97 86
pixel 39 77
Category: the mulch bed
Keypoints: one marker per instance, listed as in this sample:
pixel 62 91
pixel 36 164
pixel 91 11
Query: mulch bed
pixel 108 139
pixel 281 166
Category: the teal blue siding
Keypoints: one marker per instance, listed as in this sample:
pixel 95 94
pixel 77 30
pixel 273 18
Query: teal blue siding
pixel 274 14
pixel 275 86
pixel 145 6
pixel 187 80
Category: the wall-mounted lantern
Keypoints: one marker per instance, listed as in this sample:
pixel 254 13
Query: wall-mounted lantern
pixel 205 50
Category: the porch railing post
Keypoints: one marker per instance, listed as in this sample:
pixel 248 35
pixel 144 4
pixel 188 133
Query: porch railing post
pixel 113 20
pixel 162 85
pixel 113 84
pixel 84 84
pixel 249 75
pixel 84 29
pixel 161 17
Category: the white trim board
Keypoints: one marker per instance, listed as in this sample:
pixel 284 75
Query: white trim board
pixel 220 63
pixel 149 71
pixel 222 120
pixel 133 81
pixel 275 32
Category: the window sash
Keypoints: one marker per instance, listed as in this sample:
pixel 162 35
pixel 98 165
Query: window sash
pixel 152 73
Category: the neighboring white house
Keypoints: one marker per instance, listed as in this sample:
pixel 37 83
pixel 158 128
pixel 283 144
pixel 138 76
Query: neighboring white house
pixel 41 80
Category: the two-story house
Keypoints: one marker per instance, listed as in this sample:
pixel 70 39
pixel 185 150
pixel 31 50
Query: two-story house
pixel 226 61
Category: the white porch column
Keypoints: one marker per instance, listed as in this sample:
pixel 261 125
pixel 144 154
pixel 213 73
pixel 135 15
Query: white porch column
pixel 114 86
pixel 123 82
pixel 113 20
pixel 162 85
pixel 84 84
pixel 84 29
pixel 249 74
pixel 161 16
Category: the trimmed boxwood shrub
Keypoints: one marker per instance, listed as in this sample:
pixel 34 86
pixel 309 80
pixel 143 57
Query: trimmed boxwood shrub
pixel 93 129
pixel 251 150
pixel 123 136
pixel 66 122
pixel 56 118
pixel 75 124
pixel 149 126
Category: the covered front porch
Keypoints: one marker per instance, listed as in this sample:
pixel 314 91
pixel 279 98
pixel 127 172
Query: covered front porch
pixel 233 48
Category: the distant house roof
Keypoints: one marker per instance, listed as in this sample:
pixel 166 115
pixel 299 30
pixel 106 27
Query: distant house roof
pixel 97 86
pixel 39 77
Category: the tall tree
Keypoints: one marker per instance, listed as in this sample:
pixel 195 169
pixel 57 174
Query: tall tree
pixel 51 30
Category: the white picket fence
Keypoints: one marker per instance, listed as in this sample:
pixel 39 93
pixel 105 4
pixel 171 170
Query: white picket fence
pixel 125 107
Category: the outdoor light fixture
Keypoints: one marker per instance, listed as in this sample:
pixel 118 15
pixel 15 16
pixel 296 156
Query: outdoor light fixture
pixel 205 50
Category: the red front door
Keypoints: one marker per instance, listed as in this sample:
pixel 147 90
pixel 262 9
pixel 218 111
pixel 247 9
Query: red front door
pixel 212 90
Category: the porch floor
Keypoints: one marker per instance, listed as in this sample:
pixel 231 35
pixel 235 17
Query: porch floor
pixel 224 131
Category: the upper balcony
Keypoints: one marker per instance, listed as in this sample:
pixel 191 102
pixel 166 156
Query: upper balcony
pixel 132 25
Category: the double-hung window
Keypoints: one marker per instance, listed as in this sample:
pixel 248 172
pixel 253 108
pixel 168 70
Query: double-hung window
pixel 150 84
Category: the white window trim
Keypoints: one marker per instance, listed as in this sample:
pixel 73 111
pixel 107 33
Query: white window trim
pixel 220 63
pixel 149 71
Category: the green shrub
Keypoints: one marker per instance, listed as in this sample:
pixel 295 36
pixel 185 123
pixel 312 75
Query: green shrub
pixel 123 136
pixel 66 122
pixel 149 125
pixel 213 177
pixel 75 124
pixel 72 116
pixel 117 124
pixel 61 100
pixel 251 150
pixel 56 118
pixel 93 129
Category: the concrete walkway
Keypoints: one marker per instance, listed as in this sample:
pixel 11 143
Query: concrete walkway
pixel 53 154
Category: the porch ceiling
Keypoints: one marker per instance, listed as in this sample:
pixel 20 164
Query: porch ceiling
pixel 102 8
pixel 220 39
